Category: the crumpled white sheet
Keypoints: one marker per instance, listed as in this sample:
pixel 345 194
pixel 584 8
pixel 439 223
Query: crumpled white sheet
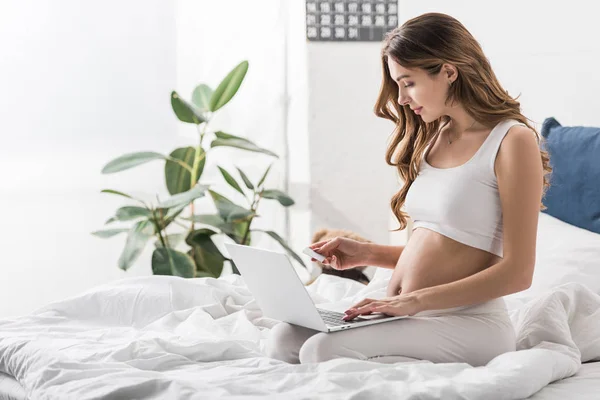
pixel 162 337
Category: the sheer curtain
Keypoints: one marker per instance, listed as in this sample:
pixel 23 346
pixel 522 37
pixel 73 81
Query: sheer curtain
pixel 213 37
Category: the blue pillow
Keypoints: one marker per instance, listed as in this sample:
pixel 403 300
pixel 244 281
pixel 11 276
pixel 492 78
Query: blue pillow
pixel 574 192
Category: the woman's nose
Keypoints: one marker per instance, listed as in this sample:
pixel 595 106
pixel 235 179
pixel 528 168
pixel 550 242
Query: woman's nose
pixel 403 100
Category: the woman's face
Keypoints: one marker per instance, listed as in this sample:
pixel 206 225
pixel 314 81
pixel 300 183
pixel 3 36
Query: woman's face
pixel 424 94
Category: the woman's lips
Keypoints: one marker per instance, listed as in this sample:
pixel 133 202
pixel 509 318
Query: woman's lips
pixel 418 110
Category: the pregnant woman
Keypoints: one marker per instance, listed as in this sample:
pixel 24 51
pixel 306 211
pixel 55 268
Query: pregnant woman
pixel 473 181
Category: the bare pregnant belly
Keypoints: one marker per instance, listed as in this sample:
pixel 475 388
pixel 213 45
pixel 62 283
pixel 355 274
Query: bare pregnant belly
pixel 431 259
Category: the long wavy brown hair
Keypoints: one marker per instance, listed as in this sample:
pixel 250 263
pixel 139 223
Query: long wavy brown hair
pixel 427 42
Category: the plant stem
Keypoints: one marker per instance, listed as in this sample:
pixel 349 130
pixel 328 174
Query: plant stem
pixel 163 240
pixel 157 227
pixel 197 159
pixel 253 208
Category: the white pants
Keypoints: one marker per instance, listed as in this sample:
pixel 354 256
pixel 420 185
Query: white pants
pixel 471 334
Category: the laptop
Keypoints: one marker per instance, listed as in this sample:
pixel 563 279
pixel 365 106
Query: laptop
pixel 281 295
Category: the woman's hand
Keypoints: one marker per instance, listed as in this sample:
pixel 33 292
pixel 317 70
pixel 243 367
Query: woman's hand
pixel 342 253
pixel 404 304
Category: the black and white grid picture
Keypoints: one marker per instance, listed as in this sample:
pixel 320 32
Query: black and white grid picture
pixel 350 20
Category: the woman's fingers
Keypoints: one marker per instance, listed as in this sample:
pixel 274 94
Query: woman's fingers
pixel 329 246
pixel 365 307
pixel 334 262
pixel 315 246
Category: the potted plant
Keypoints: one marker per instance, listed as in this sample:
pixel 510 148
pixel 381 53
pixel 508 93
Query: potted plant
pixel 182 173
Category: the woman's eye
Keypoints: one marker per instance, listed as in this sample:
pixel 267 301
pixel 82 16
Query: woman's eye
pixel 408 85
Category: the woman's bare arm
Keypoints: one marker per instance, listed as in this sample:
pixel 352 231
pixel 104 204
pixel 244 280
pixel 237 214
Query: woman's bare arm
pixel 384 256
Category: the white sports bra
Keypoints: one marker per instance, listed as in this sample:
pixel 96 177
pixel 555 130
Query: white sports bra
pixel 462 202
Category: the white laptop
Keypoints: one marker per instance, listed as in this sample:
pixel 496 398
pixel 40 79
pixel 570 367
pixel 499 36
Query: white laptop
pixel 281 295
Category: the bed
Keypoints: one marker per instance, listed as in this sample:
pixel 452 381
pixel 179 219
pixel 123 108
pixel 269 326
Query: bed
pixel 171 338
pixel 168 337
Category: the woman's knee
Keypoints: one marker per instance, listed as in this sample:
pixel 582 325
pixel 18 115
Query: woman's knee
pixel 284 341
pixel 275 346
pixel 320 347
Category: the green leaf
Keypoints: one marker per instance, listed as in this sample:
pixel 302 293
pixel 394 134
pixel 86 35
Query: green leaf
pixel 225 139
pixel 108 233
pixel 165 216
pixel 137 238
pixel 241 144
pixel 177 178
pixel 228 210
pixel 175 211
pixel 185 197
pixel 167 261
pixel 278 195
pixel 197 233
pixel 185 111
pixel 201 97
pixel 231 180
pixel 284 244
pixel 229 86
pixel 118 193
pixel 208 219
pixel 223 135
pixel 247 182
pixel 173 240
pixel 206 255
pixel 234 268
pixel 129 213
pixel 131 160
pixel 262 180
pixel 236 231
pixel 215 221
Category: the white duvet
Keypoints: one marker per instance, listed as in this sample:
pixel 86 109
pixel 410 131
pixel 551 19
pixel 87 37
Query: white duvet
pixel 170 338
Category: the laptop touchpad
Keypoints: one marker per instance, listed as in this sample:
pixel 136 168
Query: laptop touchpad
pixel 374 316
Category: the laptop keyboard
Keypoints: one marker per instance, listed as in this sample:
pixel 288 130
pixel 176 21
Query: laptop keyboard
pixel 334 318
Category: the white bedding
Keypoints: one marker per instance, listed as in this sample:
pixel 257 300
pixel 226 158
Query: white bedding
pixel 584 385
pixel 10 389
pixel 170 338
pixel 167 337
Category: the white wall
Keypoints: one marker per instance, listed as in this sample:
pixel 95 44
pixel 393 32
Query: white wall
pixel 547 51
pixel 83 82
pixel 80 83
pixel 351 184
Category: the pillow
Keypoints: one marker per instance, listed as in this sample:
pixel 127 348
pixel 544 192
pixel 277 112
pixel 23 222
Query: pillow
pixel 574 192
pixel 565 253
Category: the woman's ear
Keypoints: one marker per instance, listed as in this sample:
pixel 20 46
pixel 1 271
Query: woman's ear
pixel 450 72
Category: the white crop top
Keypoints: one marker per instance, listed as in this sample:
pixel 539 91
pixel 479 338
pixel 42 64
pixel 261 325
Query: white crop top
pixel 462 202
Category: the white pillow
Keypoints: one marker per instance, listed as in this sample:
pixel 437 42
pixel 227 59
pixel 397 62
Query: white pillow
pixel 564 253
